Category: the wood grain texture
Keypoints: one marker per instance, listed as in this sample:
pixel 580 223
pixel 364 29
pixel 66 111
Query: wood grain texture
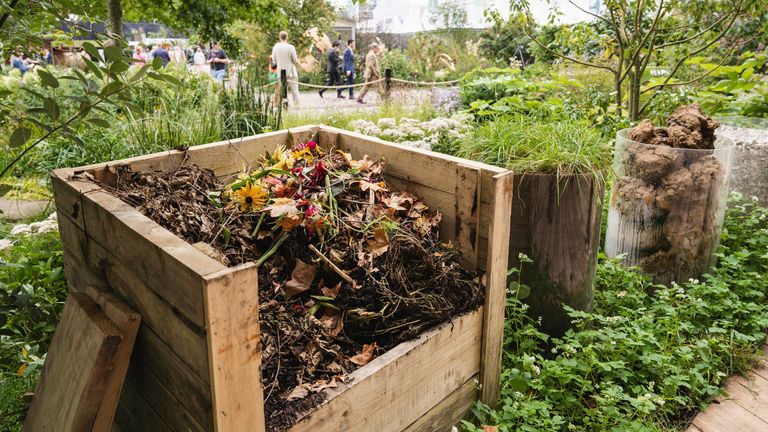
pixel 397 388
pixel 127 321
pixel 136 414
pixel 232 312
pixel 467 213
pixel 102 266
pixel 496 288
pixel 450 411
pixel 556 223
pixel 729 416
pixel 76 370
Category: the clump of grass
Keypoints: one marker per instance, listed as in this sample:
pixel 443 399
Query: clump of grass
pixel 526 145
pixel 343 119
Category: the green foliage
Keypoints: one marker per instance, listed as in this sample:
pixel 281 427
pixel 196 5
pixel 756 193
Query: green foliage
pixel 14 399
pixel 529 145
pixel 647 355
pixel 32 292
pixel 500 42
pixel 402 67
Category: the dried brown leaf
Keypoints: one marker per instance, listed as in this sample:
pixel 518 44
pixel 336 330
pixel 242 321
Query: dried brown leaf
pixel 331 320
pixel 301 278
pixel 365 356
pixel 299 392
pixel 379 244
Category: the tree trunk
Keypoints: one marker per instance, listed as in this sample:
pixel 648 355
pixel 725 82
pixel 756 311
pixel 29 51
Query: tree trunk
pixel 556 223
pixel 115 9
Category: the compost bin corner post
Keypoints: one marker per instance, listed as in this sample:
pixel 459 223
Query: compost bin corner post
pixel 234 352
pixel 495 292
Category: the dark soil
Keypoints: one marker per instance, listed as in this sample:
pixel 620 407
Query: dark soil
pixel 316 326
pixel 668 200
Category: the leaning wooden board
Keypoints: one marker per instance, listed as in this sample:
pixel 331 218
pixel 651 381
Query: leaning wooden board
pixel 181 291
pixel 76 371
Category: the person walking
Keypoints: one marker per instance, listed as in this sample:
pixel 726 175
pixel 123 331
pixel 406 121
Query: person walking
pixel 200 62
pixel 139 56
pixel 161 52
pixel 284 56
pixel 349 66
pixel 372 73
pixel 218 60
pixel 333 69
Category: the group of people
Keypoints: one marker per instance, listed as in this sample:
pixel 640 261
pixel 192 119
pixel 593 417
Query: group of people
pixel 340 67
pixel 22 62
pixel 214 62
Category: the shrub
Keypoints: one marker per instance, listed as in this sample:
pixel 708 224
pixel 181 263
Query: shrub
pixel 647 356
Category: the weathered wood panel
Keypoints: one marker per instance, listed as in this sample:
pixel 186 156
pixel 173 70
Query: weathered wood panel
pixel 495 291
pixel 394 390
pixel 68 398
pixel 449 411
pixel 234 349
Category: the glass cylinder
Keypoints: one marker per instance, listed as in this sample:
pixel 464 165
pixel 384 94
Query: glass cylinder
pixel 667 207
pixel 749 176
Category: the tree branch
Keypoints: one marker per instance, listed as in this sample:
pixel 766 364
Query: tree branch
pixel 563 56
pixel 5 16
pixel 681 83
pixel 697 35
pixel 645 39
pixel 589 13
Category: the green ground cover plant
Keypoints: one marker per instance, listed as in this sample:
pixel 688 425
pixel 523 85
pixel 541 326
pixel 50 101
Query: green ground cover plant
pixel 648 356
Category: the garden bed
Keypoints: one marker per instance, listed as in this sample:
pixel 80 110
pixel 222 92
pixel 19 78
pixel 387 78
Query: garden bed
pixel 197 361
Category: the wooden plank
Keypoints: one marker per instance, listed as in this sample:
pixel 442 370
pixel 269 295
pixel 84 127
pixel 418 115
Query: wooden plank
pixel 102 267
pixel 162 261
pixel 127 321
pixel 438 200
pixel 136 414
pixel 192 393
pixel 450 411
pixel 750 394
pixel 495 292
pixel 728 416
pixel 232 312
pixel 395 389
pixel 67 398
pixel 163 400
pixel 467 229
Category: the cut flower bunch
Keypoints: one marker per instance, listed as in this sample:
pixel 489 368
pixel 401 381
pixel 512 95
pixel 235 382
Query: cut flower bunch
pixel 348 266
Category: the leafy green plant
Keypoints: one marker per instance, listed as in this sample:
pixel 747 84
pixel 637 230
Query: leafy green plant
pixel 647 356
pixel 530 145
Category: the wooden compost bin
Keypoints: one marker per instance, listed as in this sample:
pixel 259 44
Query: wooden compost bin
pixel 196 362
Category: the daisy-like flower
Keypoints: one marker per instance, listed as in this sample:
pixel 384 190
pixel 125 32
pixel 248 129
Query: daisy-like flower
pixel 251 197
pixel 304 153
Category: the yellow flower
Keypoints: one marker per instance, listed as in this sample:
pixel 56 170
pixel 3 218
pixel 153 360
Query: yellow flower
pixel 305 154
pixel 251 197
pixel 281 159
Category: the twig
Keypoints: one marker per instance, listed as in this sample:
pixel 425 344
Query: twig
pixel 338 271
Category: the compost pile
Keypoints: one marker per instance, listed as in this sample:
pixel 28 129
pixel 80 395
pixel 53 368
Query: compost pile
pixel 348 266
pixel 668 199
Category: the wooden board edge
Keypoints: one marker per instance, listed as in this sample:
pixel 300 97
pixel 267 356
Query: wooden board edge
pixel 234 349
pixel 450 411
pixel 430 153
pixel 495 293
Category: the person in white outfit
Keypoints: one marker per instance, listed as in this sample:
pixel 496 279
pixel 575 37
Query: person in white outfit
pixel 284 56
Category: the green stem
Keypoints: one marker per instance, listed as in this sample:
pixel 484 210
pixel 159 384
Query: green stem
pixel 272 250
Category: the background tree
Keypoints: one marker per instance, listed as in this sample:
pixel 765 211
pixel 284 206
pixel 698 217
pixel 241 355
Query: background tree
pixel 115 11
pixel 501 41
pixel 640 33
pixel 449 15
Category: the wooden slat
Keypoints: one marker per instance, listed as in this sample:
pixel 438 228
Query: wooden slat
pixel 449 412
pixel 728 416
pixel 750 394
pixel 76 369
pixel 495 293
pixel 136 414
pixel 162 261
pixel 127 321
pixel 394 390
pixel 164 401
pixel 232 312
pixel 467 229
pixel 190 392
pixel 182 336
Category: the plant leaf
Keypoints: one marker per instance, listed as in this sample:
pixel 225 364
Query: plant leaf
pixel 47 78
pixel 20 136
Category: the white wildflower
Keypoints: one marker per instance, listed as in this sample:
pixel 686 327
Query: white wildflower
pixel 387 123
pixel 5 244
pixel 20 230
